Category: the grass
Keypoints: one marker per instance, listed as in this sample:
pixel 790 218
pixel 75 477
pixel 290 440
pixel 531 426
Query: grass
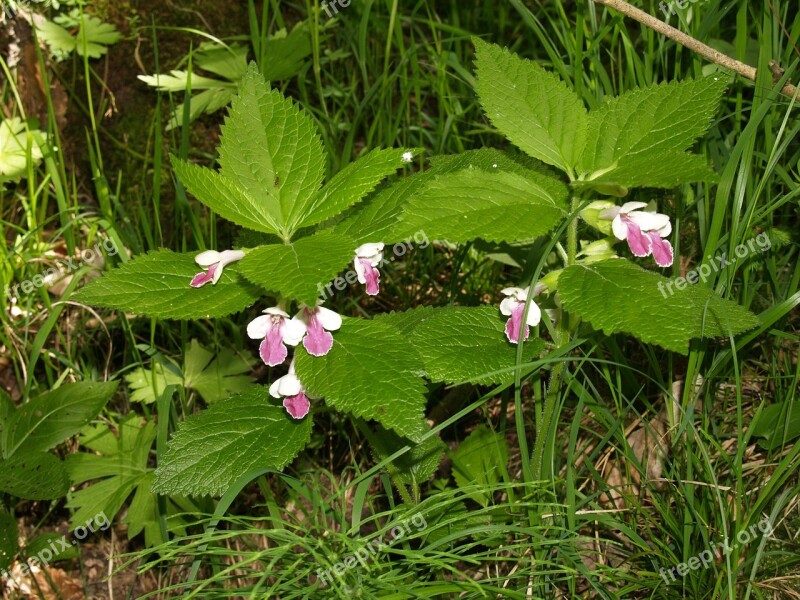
pixel 593 517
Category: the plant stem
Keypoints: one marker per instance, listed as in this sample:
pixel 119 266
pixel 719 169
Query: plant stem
pixel 694 45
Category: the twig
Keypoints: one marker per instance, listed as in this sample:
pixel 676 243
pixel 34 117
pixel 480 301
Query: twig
pixel 686 40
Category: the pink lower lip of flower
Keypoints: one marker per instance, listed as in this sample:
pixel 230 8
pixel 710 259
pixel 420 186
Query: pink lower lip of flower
pixel 203 278
pixel 272 350
pixel 514 324
pixel 297 406
pixel 372 276
pixel 317 342
pixel 638 242
pixel 662 249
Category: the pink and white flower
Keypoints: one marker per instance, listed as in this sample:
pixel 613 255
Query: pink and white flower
pixel 643 229
pixel 213 262
pixel 319 322
pixel 276 330
pixel 291 390
pixel 514 306
pixel 368 258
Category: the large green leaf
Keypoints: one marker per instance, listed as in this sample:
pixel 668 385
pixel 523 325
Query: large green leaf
pixel 214 448
pixel 491 205
pixel 273 151
pixel 461 344
pixel 532 107
pixel 639 138
pixel 224 196
pixel 618 296
pixel 34 476
pixel 157 285
pixel 302 269
pixel 51 418
pixel 350 185
pixel 371 372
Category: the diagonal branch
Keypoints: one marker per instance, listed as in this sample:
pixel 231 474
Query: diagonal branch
pixel 686 40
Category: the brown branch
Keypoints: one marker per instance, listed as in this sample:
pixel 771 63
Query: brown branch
pixel 686 40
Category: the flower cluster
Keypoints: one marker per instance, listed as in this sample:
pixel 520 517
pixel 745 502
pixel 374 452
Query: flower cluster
pixel 643 229
pixel 311 326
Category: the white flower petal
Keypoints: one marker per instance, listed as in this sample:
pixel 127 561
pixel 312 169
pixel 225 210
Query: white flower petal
pixel 288 385
pixel 359 270
pixel 609 214
pixel 258 328
pixel 230 256
pixel 619 228
pixel 293 331
pixel 517 293
pixel 369 250
pixel 649 221
pixel 207 258
pixel 534 315
pixel 629 207
pixel 508 305
pixel 665 230
pixel 331 321
pixel 277 311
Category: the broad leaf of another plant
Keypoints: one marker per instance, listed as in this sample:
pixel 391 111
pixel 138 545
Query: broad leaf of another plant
pixel 34 476
pixel 640 137
pixel 300 269
pixel 216 376
pixel 272 149
pixel 531 106
pixel 214 448
pixel 157 285
pixel 51 418
pixel 479 463
pixel 372 373
pixel 415 466
pixel 8 539
pixel 118 466
pixel 92 39
pixel 618 296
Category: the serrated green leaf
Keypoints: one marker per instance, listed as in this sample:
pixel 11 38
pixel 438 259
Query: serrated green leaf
pixel 372 373
pixel 34 476
pixel 94 37
pixel 59 40
pixel 352 184
pixel 272 150
pixel 214 448
pixel 299 270
pixel 157 285
pixel 493 206
pixel 460 344
pixel 531 106
pixel 51 418
pixel 635 139
pixel 618 296
pixel 479 462
pixel 226 198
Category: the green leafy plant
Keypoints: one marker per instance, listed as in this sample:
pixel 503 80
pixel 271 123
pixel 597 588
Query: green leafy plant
pixel 20 147
pixel 271 181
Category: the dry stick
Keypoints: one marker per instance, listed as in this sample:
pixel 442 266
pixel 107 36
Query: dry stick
pixel 686 40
